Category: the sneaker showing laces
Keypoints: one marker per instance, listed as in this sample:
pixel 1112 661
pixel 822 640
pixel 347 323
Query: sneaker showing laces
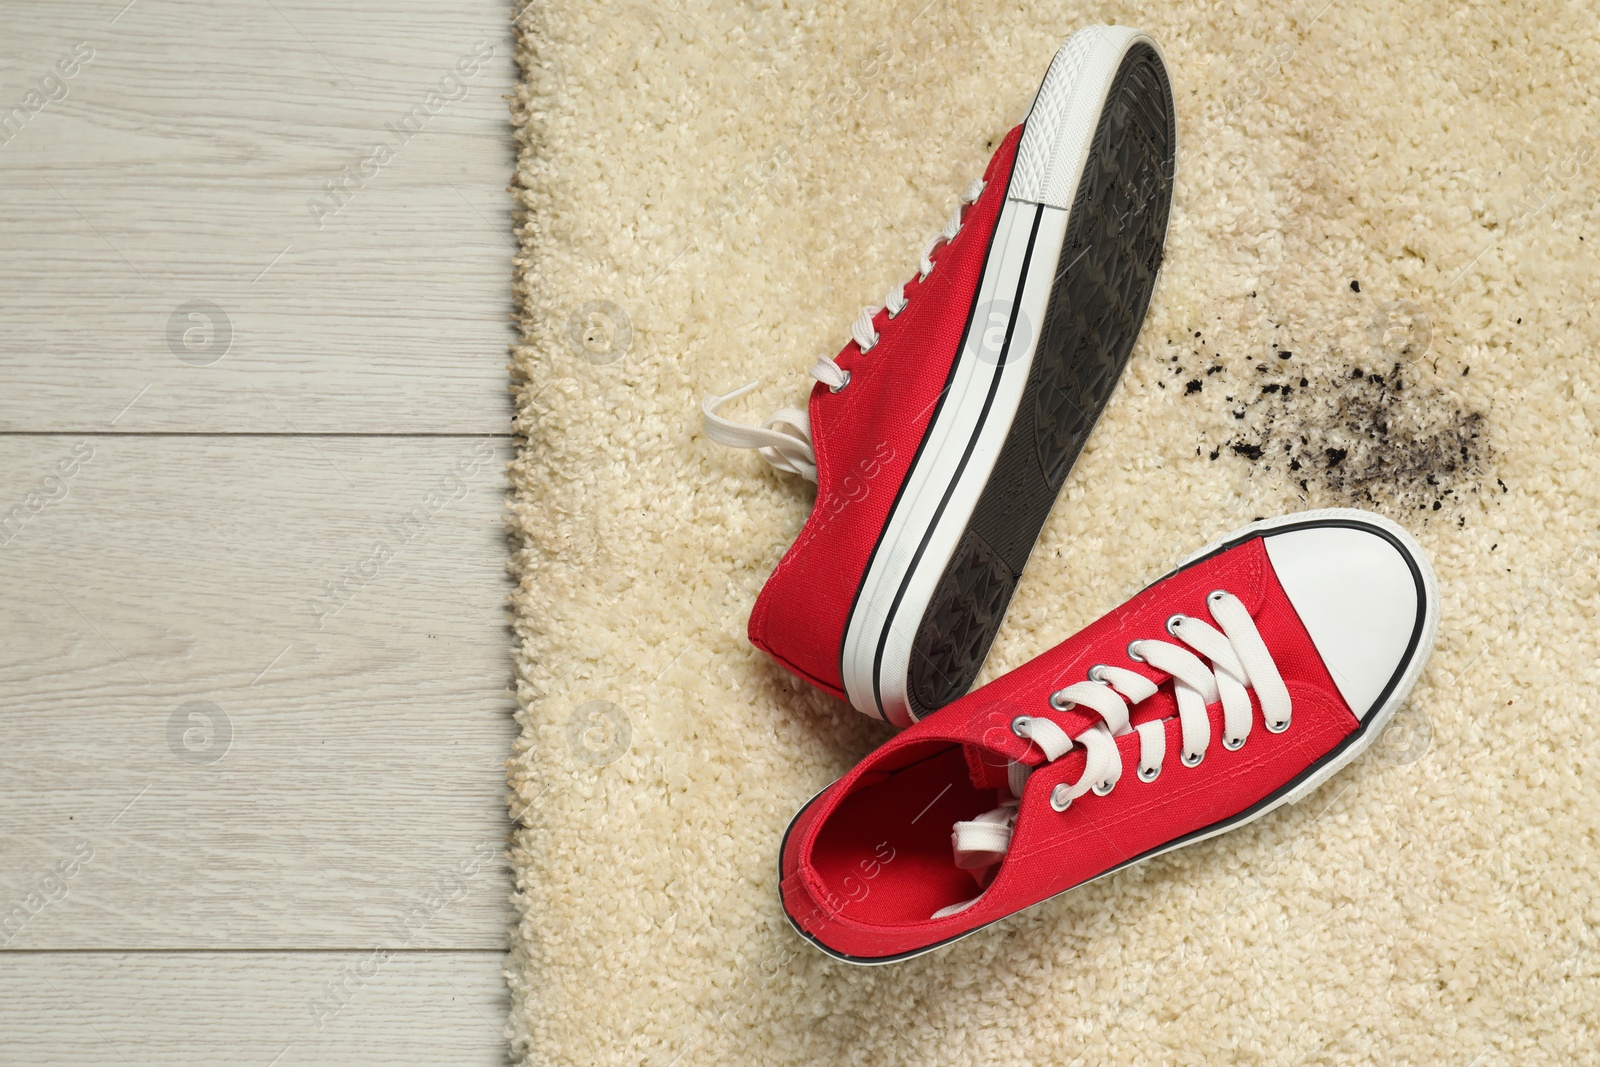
pixel 1239 682
pixel 941 434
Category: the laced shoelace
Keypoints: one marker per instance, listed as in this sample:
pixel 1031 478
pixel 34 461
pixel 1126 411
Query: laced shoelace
pixel 1239 661
pixel 784 440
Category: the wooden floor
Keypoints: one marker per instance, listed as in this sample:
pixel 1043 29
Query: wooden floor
pixel 255 269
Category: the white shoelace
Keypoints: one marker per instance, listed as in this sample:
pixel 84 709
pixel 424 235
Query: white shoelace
pixel 895 299
pixel 784 440
pixel 1239 662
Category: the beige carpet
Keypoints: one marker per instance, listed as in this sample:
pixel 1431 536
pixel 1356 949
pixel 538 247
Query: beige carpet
pixel 710 193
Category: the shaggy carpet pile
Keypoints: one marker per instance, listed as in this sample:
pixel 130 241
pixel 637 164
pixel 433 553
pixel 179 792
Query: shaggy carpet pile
pixel 1378 291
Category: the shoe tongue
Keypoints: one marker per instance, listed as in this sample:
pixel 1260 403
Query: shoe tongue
pixel 1162 705
pixel 989 771
pixel 986 768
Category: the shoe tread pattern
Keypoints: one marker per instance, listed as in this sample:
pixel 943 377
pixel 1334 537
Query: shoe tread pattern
pixel 1106 274
pixel 1035 160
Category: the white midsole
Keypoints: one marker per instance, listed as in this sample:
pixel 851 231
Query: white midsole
pixel 954 431
pixel 936 503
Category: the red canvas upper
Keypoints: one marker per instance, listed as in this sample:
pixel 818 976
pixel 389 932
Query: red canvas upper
pixel 866 436
pixel 869 860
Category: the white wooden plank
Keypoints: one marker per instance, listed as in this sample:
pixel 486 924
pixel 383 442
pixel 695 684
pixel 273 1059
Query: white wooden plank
pixel 185 161
pixel 359 789
pixel 252 1008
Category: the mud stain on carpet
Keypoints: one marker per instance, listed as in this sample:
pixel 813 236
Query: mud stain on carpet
pixel 1381 430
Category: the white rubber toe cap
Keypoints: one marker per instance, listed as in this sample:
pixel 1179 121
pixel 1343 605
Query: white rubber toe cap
pixel 1359 597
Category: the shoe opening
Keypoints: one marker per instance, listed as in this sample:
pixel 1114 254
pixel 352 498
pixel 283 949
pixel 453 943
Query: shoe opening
pixel 885 853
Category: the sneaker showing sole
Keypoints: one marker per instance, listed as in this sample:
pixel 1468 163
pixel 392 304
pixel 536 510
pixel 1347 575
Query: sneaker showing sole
pixel 1069 274
pixel 941 434
pixel 1329 618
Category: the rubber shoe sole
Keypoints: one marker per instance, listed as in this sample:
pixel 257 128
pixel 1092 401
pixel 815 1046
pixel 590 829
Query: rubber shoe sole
pixel 1065 286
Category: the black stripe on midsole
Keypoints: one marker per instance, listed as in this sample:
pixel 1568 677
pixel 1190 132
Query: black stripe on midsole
pixel 933 420
pixel 955 479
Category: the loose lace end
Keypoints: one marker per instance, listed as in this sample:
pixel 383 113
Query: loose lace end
pixel 784 440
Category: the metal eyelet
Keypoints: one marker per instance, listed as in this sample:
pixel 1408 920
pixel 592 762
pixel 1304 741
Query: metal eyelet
pixel 1016 726
pixel 1100 789
pixel 1172 624
pixel 1095 676
pixel 1059 799
pixel 1280 728
pixel 1132 654
pixel 1232 745
pixel 1154 773
pixel 1187 762
pixel 841 385
pixel 1061 703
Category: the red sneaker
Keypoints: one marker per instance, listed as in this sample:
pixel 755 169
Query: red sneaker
pixel 1241 681
pixel 942 432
